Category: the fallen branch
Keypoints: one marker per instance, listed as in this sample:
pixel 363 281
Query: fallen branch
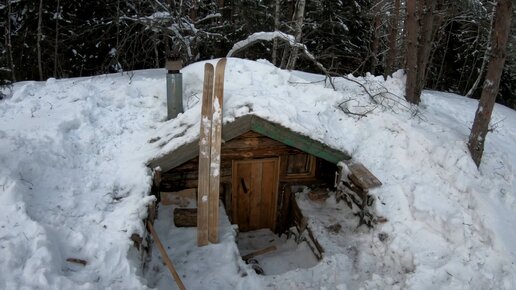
pixel 77 261
pixel 287 38
pixel 346 110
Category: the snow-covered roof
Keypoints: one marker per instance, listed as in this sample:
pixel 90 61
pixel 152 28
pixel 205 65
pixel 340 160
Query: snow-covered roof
pixel 260 90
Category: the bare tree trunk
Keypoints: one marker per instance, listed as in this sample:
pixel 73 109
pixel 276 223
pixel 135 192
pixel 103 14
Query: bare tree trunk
pixel 444 57
pixel 284 57
pixel 376 36
pixel 393 33
pixel 9 43
pixel 155 47
pixel 426 8
pixel 276 28
pixel 38 43
pixel 501 28
pixel 411 52
pixel 56 44
pixel 298 30
pixel 484 60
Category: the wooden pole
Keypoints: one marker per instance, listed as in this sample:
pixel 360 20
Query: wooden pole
pixel 216 136
pixel 204 157
pixel 166 258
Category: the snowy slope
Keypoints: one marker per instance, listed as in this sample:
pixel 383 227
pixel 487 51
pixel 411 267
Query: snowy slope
pixel 73 181
pixel 70 183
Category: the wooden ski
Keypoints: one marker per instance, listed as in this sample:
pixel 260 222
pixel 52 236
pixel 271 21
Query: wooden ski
pixel 203 189
pixel 216 135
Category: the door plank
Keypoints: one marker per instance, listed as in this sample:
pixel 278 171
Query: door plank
pixel 255 195
pixel 270 188
pixel 241 188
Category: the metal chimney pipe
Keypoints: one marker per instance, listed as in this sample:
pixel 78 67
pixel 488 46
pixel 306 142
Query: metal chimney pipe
pixel 174 88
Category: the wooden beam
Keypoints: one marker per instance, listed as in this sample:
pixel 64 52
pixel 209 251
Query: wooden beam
pixel 296 140
pixel 185 217
pixel 362 177
pixel 176 157
pixel 237 127
pixel 165 257
pixel 203 191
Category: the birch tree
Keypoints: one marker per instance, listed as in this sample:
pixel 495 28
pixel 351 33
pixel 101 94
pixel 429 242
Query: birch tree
pixel 298 32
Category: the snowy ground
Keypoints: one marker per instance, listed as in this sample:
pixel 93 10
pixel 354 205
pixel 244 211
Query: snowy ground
pixel 73 182
pixel 287 256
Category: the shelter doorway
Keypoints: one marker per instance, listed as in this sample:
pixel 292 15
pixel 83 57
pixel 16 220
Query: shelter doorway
pixel 255 193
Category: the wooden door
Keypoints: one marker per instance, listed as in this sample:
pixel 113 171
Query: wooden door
pixel 255 190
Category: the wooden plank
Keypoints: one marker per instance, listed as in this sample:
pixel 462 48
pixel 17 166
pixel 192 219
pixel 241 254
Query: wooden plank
pixel 165 257
pixel 236 127
pixel 256 153
pixel 255 195
pixel 362 177
pixel 296 140
pixel 176 157
pixel 259 252
pixel 247 142
pixel 270 193
pixel 216 141
pixel 241 182
pixel 205 157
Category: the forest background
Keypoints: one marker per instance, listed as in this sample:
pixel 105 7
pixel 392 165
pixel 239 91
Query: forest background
pixel 69 38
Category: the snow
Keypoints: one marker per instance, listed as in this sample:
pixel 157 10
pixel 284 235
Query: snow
pixel 287 256
pixel 209 267
pixel 73 183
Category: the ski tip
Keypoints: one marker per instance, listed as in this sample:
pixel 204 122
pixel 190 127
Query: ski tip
pixel 208 66
pixel 222 62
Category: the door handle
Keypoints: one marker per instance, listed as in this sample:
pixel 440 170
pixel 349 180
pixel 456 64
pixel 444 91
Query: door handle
pixel 244 187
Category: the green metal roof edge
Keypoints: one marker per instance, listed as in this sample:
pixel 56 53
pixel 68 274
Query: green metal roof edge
pixel 296 140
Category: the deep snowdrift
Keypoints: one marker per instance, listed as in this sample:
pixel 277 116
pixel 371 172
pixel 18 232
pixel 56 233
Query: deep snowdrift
pixel 73 180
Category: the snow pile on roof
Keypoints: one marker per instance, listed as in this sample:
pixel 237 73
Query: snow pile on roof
pixel 73 180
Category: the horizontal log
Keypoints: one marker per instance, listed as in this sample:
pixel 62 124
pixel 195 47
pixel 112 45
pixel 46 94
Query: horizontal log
pixel 252 143
pixel 257 153
pixel 185 217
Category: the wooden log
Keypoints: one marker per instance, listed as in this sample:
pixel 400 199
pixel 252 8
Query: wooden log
pixel 362 177
pixel 185 217
pixel 165 257
pixel 205 157
pixel 259 252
